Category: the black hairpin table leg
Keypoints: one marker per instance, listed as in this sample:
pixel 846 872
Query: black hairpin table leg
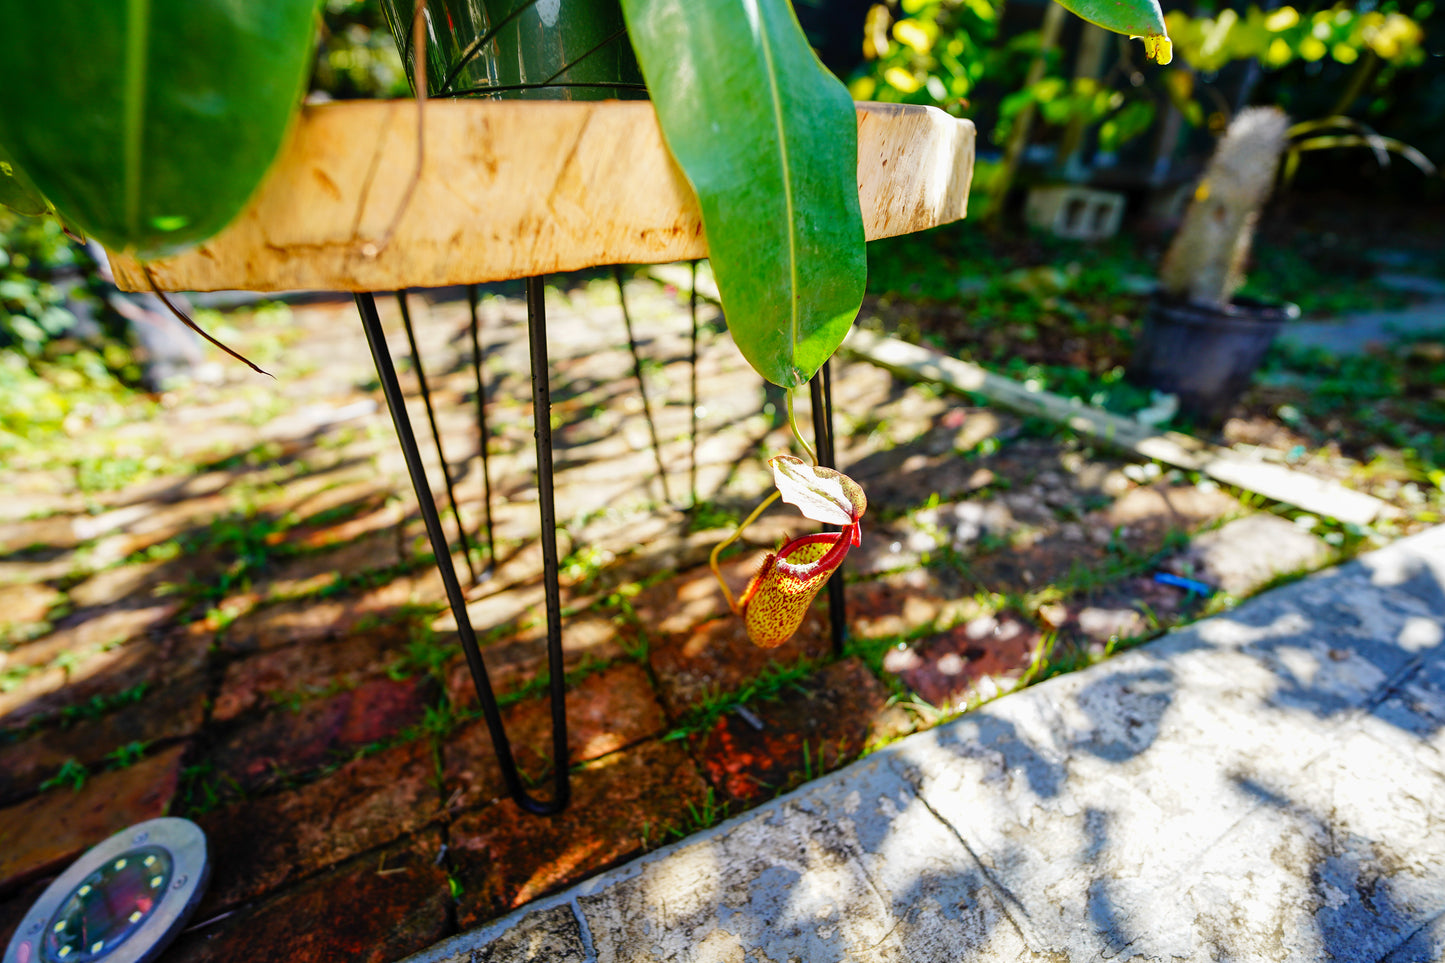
pixel 396 403
pixel 641 383
pixel 692 381
pixel 821 389
pixel 436 435
pixel 551 569
pixel 483 436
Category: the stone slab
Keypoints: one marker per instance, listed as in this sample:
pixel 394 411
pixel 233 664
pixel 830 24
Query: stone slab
pixel 1265 784
pixel 1242 556
pixel 1423 946
pixel 1356 333
pixel 547 936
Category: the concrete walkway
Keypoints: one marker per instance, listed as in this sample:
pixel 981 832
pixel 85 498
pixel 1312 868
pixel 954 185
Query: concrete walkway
pixel 1268 784
pixel 1357 332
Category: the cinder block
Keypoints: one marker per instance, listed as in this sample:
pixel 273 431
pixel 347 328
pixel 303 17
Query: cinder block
pixel 1075 212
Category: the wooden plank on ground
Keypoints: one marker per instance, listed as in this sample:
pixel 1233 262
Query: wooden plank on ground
pixel 1276 482
pixel 510 189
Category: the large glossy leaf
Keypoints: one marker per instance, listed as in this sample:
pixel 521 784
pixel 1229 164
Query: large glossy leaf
pixel 148 123
pixel 17 192
pixel 1133 18
pixel 769 140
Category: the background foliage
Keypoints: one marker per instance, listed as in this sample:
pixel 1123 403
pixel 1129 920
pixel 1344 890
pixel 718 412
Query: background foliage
pixel 355 55
pixel 969 58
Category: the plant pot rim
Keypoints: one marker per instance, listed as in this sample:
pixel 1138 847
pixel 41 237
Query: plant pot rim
pixel 1204 354
pixel 1243 310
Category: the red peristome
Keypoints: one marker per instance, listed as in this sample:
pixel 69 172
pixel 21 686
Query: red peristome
pixel 778 597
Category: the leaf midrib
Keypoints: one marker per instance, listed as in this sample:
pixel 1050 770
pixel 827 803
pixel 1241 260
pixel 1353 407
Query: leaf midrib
pixel 137 47
pixel 792 226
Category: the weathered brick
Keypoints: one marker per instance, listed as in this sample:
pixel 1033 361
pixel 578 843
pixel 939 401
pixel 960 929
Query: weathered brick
pixel 119 585
pixel 514 662
pixel 283 743
pixel 306 620
pixel 48 831
pixel 949 668
pixel 717 655
pixel 620 804
pixel 23 605
pixel 308 668
pixel 606 711
pixel 679 604
pixel 102 674
pixel 260 844
pixel 87 630
pixel 809 728
pixel 904 602
pixel 314 572
pixel 52 532
pixel 171 711
pixel 14 908
pixel 378 908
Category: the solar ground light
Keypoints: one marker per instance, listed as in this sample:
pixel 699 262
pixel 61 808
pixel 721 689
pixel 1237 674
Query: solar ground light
pixel 122 902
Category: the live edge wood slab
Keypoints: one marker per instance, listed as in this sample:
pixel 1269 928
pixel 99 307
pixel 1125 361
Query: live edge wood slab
pixel 510 189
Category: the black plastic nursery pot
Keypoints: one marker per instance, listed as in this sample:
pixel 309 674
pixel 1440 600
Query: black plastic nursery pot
pixel 522 49
pixel 1204 355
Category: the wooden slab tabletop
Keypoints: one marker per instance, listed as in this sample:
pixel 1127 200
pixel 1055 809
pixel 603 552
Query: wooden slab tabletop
pixel 510 189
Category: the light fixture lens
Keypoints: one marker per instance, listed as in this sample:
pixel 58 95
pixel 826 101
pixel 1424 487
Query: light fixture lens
pixel 112 902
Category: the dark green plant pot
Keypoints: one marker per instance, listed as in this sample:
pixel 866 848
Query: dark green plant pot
pixel 522 49
pixel 1204 355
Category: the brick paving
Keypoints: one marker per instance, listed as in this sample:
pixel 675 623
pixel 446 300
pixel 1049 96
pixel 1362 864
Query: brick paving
pixel 250 633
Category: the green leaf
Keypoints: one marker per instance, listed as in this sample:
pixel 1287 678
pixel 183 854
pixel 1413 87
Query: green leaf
pixel 17 192
pixel 149 123
pixel 769 140
pixel 1133 18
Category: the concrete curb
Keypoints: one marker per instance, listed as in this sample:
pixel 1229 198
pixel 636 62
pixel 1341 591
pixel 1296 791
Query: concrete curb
pixel 1265 784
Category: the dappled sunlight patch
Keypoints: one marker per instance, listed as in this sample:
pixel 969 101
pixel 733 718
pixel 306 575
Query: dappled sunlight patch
pixel 974 661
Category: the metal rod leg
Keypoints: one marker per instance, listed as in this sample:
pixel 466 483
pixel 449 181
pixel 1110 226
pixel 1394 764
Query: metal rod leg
pixel 641 384
pixel 396 404
pixel 828 414
pixel 482 434
pixel 436 434
pixel 692 408
pixel 821 389
pixel 551 569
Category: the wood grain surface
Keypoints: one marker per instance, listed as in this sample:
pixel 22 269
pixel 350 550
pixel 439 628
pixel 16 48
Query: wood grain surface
pixel 510 189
